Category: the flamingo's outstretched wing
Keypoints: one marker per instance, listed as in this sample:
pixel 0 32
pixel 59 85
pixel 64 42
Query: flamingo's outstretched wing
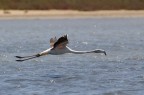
pixel 61 42
pixel 52 41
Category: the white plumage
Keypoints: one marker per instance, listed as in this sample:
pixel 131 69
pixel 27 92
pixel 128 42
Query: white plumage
pixel 59 47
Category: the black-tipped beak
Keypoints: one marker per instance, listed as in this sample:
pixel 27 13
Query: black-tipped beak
pixel 105 53
pixel 100 51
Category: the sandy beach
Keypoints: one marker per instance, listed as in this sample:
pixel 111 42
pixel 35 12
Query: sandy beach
pixel 41 14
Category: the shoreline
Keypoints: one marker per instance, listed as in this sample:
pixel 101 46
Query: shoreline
pixel 44 14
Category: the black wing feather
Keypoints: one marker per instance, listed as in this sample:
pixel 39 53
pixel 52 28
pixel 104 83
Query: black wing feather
pixel 61 40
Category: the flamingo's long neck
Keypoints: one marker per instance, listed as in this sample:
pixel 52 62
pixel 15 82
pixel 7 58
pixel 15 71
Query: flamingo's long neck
pixel 83 52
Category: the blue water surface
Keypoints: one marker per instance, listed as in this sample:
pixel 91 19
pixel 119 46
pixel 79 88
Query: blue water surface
pixel 121 72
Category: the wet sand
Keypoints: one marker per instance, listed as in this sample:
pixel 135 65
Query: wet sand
pixel 40 14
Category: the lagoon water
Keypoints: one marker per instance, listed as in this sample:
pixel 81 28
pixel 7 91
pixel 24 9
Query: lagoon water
pixel 121 72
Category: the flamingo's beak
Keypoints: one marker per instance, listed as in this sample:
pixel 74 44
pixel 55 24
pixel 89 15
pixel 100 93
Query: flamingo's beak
pixel 105 53
pixel 100 51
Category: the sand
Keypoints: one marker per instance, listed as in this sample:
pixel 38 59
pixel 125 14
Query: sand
pixel 41 14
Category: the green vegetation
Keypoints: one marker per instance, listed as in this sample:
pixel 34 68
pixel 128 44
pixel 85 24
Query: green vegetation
pixel 84 5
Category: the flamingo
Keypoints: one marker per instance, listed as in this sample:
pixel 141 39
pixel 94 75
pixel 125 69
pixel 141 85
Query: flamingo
pixel 58 47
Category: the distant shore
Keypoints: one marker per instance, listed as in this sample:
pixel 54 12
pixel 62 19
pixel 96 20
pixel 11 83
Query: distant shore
pixel 42 14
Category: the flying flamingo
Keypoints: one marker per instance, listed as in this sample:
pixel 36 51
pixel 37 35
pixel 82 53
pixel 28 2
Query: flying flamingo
pixel 58 47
